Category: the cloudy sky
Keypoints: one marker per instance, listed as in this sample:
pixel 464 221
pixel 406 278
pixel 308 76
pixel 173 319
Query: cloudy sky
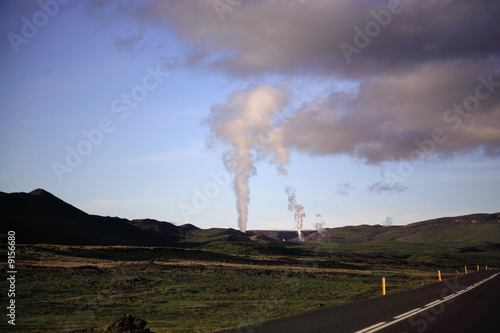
pixel 203 111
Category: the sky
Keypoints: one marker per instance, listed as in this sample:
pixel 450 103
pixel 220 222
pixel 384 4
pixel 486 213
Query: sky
pixel 208 111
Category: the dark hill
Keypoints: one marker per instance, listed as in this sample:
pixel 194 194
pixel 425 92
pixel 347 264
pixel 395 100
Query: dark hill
pixel 40 217
pixel 203 236
pixel 188 227
pixel 468 228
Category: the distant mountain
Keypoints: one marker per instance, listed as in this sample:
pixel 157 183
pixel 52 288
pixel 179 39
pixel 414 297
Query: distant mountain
pixel 40 217
pixel 467 228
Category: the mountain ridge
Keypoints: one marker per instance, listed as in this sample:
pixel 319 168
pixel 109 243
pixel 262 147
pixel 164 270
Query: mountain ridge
pixel 41 217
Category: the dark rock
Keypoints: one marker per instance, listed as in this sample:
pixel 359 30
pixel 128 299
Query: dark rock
pixel 127 323
pixel 139 323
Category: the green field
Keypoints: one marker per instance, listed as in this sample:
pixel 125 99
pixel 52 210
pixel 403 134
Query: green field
pixel 218 285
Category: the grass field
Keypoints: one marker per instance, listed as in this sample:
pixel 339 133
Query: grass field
pixel 217 286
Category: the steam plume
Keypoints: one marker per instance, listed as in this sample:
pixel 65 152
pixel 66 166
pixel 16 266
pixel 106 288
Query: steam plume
pixel 297 209
pixel 320 226
pixel 247 124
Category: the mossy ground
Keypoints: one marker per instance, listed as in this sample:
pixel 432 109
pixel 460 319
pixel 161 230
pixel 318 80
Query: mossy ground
pixel 61 288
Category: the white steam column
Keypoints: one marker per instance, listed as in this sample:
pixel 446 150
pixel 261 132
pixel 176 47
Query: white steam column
pixel 246 125
pixel 297 209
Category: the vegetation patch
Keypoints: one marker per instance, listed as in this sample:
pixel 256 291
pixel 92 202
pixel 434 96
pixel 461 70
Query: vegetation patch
pixel 219 285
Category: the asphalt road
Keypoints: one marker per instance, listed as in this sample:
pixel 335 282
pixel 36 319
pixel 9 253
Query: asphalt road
pixel 469 303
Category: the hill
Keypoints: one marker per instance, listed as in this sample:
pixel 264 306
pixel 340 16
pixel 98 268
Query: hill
pixel 467 228
pixel 40 217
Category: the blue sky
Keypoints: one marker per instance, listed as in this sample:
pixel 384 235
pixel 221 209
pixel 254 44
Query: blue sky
pixel 348 126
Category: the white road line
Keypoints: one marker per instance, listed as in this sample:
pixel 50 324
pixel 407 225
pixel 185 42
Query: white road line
pixel 407 313
pixel 383 324
pixel 364 330
pixel 395 321
pixel 432 303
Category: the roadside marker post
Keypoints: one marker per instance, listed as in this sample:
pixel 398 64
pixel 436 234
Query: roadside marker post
pixel 478 268
pixel 383 286
pixel 439 275
pixel 465 269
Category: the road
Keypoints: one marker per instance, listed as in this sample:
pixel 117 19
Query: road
pixel 469 303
